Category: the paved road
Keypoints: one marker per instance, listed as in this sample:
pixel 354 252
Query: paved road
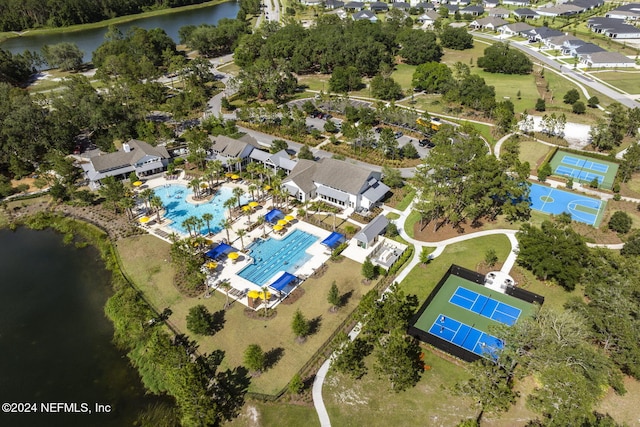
pixel 568 73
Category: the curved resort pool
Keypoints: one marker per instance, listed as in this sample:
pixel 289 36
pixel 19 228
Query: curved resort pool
pixel 174 199
pixel 272 256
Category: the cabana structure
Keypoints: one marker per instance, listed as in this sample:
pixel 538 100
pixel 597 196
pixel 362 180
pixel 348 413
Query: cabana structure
pixel 218 251
pixel 368 236
pixel 284 284
pixel 273 216
pixel 333 240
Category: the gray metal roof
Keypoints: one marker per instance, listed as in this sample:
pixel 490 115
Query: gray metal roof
pixel 120 159
pixel 333 193
pixel 376 192
pixel 228 147
pixel 609 58
pixel 373 229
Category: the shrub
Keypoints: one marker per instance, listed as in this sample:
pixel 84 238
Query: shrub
pixel 593 102
pixel 578 107
pixel 199 320
pixel 620 222
pixel 541 105
pixel 571 96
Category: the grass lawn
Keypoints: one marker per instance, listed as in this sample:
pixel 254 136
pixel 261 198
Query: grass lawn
pixel 410 222
pixel 144 261
pixel 423 278
pixel 230 68
pixel 632 187
pixel 315 81
pixel 371 402
pixel 533 152
pixel 403 75
pixel 257 413
pixel 393 215
pixel 406 201
pixel 431 103
pixel 628 81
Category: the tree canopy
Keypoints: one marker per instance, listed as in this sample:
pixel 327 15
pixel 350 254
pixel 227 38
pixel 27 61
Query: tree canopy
pixel 456 38
pixel 500 58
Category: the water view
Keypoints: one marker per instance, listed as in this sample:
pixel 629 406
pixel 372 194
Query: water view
pixel 55 337
pixel 89 40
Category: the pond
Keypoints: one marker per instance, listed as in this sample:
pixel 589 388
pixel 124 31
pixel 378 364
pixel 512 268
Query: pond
pixel 89 40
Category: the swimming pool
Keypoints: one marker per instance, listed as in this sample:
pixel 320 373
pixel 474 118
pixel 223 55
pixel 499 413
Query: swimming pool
pixel 272 256
pixel 174 199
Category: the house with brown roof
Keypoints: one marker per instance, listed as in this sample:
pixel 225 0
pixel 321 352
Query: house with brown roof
pixel 336 182
pixel 135 156
pixel 233 153
pixel 489 23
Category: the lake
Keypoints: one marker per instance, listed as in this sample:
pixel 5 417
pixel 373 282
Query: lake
pixel 55 339
pixel 89 40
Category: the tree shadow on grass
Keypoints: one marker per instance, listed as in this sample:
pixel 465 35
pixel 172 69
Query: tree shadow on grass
pixel 230 388
pixel 272 357
pixel 314 325
pixel 217 321
pixel 344 298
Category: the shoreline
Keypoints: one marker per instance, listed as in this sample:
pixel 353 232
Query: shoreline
pixel 7 35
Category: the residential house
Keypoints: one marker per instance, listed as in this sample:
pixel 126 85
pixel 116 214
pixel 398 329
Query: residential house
pixel 490 4
pixel 538 34
pixel 401 5
pixel 628 12
pixel 369 234
pixel 614 28
pixel 556 43
pixel 522 3
pixel 135 156
pixel 517 28
pixel 233 153
pixel 577 48
pixel 311 2
pixel 426 6
pixel 336 182
pixel 333 4
pixel 607 60
pixel 452 8
pixel 489 23
pixel 427 19
pixel 566 9
pixel 378 6
pixel 525 13
pixel 499 12
pixel 365 15
pixel 472 10
pixel 354 6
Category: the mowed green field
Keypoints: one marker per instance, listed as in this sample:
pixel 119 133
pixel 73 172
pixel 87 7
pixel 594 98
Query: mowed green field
pixel 628 81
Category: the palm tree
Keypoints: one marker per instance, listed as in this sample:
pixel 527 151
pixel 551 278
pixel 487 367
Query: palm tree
pixel 226 224
pixel 252 189
pixel 208 217
pixel 146 196
pixel 238 193
pixel 187 224
pixel 198 224
pixel 262 222
pixel 128 204
pixel 226 286
pixel 252 168
pixel 265 289
pixel 229 204
pixel 156 203
pixel 241 233
pixel 195 185
pixel 215 167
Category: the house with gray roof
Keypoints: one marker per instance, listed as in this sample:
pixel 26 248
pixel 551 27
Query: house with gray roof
pixel 557 43
pixel 499 12
pixel 333 4
pixel 336 182
pixel 233 153
pixel 472 10
pixel 489 23
pixel 134 156
pixel 541 33
pixel 365 15
pixel 627 12
pixel 428 18
pixel 517 28
pixel 490 4
pixel 607 60
pixel 353 6
pixel 578 48
pixel 378 6
pixel 613 28
pixel 516 2
pixel 278 161
pixel 425 6
pixel 525 13
pixel 368 236
pixel 452 8
pixel 401 5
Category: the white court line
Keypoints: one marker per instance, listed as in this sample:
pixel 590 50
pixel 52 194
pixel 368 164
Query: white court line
pixel 462 296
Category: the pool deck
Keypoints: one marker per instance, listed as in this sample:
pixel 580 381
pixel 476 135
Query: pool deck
pixel 227 269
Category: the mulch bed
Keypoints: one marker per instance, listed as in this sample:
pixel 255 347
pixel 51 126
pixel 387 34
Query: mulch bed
pixel 426 233
pixel 259 315
pixel 293 296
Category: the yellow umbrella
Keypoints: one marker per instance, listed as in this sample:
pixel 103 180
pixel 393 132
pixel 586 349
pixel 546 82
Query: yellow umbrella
pixel 278 227
pixel 144 219
pixel 204 185
pixel 234 255
pixel 235 177
pixel 229 174
pixel 137 184
pixel 289 218
pixel 253 294
pixel 254 204
pixel 282 222
pixel 246 208
pixel 263 296
pixel 212 265
pixel 267 187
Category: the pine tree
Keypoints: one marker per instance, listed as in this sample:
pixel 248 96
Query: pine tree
pixel 334 296
pixel 300 325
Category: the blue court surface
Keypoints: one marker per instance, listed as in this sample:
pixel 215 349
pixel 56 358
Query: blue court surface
pixel 466 336
pixel 578 174
pixel 485 306
pixel 585 164
pixel 553 201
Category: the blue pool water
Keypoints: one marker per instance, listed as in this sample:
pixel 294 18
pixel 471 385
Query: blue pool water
pixel 272 256
pixel 178 209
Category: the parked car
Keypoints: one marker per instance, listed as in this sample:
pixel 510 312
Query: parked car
pixel 426 143
pixel 398 134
